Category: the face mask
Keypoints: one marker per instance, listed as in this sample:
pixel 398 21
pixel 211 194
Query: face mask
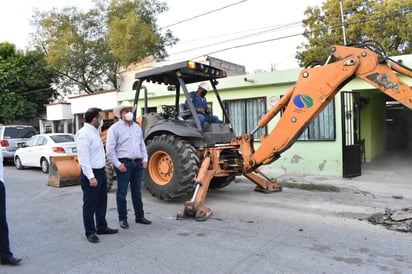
pixel 129 116
pixel 203 94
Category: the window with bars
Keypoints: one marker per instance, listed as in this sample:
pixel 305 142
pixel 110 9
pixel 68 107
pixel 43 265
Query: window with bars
pixel 323 127
pixel 245 113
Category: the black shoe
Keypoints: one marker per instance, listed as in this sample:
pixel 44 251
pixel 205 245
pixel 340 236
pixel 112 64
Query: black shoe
pixel 124 224
pixel 93 238
pixel 11 261
pixel 107 230
pixel 143 221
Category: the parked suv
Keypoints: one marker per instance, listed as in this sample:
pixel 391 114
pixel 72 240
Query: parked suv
pixel 11 136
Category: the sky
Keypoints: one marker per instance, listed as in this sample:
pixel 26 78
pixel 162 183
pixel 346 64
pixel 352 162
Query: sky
pixel 258 34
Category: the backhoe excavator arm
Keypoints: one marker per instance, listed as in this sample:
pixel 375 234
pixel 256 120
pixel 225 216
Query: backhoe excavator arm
pixel 314 89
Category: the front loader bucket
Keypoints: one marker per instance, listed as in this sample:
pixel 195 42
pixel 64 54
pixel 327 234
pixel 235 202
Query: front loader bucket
pixel 64 171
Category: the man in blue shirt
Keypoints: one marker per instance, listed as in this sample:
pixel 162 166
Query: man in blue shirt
pixel 199 101
pixel 6 255
pixel 127 151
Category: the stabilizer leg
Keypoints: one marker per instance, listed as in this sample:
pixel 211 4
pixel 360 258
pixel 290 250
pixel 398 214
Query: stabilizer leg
pixel 263 183
pixel 195 206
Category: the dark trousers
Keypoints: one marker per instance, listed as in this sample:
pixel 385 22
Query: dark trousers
pixel 94 202
pixel 5 252
pixel 134 175
pixel 204 118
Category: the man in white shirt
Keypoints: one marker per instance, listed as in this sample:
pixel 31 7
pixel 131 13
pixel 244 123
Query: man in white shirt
pixel 6 256
pixel 92 160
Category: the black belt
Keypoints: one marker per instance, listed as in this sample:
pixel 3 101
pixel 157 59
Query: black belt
pixel 130 160
pixel 98 169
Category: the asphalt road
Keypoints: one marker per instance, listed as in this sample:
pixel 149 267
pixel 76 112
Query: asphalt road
pixel 294 231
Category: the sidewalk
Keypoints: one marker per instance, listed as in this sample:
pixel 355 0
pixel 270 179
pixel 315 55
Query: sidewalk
pixel 384 177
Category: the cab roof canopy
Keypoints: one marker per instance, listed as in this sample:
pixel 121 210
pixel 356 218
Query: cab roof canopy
pixel 189 71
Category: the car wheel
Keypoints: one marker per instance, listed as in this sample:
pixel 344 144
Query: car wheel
pixel 17 163
pixel 44 165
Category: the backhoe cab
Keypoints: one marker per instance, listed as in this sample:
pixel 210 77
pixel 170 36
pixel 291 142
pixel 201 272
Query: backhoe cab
pixel 175 140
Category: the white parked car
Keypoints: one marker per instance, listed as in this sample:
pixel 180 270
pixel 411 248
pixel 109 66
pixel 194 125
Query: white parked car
pixel 36 151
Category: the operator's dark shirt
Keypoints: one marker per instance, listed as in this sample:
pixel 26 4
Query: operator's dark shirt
pixel 198 101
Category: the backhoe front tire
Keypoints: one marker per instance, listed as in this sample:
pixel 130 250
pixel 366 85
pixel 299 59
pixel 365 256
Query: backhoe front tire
pixel 172 167
pixel 221 182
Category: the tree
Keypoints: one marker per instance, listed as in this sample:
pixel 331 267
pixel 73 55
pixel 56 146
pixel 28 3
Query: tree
pixel 386 22
pixel 24 84
pixel 88 48
pixel 132 31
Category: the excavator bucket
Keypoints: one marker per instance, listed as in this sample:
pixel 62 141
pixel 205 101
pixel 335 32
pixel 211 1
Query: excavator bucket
pixel 64 171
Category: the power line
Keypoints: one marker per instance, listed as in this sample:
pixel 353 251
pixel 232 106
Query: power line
pixel 203 14
pixel 251 44
pixel 268 28
pixel 277 28
pixel 392 14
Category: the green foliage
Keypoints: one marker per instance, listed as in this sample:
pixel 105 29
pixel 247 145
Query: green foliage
pixel 24 84
pixel 7 50
pixel 387 22
pixel 132 30
pixel 87 48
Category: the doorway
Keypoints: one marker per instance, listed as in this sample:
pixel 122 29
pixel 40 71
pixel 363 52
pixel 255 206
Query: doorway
pixel 395 154
pixel 351 139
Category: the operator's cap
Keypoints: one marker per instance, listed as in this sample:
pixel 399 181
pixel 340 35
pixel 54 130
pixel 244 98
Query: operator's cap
pixel 204 86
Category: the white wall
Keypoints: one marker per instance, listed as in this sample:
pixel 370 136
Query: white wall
pixel 59 111
pixel 105 100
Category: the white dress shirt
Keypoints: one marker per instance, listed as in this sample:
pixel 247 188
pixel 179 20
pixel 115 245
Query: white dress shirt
pixel 90 150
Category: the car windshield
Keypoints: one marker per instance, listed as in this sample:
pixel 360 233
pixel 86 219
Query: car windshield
pixel 62 138
pixel 18 132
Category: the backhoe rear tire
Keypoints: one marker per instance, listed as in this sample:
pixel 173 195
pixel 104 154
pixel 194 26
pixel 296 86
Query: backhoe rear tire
pixel 172 167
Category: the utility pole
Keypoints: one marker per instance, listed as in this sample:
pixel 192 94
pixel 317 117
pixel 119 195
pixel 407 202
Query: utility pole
pixel 343 22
